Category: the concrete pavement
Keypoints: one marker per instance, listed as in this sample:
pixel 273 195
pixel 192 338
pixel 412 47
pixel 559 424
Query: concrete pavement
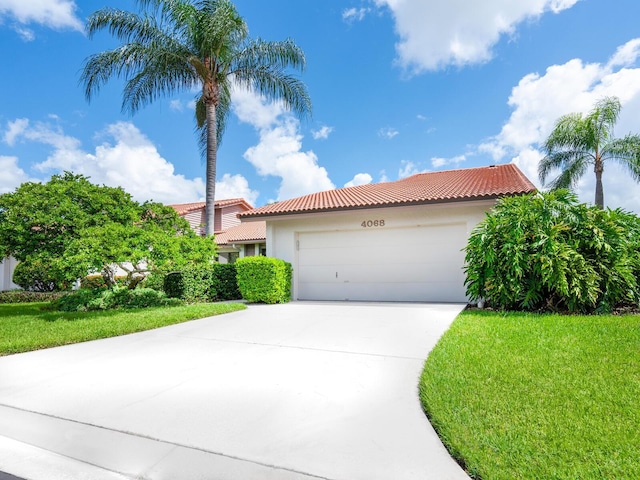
pixel 289 392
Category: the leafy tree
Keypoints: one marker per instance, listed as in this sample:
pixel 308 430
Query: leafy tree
pixel 546 251
pixel 71 227
pixel 578 142
pixel 179 45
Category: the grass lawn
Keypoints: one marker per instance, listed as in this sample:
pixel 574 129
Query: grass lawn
pixel 25 327
pixel 525 396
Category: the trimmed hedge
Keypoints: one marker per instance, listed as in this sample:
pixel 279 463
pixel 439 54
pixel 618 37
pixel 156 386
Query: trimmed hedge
pixel 213 283
pixel 25 296
pixel 116 298
pixel 264 279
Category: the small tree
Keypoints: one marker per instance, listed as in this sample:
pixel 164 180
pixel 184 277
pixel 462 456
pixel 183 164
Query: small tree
pixel 73 227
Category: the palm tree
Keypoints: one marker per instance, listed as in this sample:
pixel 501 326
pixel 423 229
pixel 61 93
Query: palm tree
pixel 577 142
pixel 181 45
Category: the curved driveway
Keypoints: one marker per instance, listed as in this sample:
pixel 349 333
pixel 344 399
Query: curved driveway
pixel 295 391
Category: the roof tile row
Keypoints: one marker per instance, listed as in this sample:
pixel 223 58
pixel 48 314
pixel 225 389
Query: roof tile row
pixel 434 187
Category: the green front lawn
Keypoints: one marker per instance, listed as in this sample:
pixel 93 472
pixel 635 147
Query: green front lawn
pixel 525 396
pixel 25 327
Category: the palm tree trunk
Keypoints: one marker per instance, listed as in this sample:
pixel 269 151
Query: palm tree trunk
pixel 598 169
pixel 212 157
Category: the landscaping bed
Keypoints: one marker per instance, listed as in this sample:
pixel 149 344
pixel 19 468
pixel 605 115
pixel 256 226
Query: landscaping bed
pixel 528 396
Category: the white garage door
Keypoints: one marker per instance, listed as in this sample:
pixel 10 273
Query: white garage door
pixel 383 264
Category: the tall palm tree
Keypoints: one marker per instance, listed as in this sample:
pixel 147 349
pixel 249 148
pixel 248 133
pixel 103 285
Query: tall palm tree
pixel 578 142
pixel 181 45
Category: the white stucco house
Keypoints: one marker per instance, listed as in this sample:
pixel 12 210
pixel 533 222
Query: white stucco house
pixel 392 241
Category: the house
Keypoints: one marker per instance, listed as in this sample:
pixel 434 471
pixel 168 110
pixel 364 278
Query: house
pixel 7 266
pixel 392 241
pixel 245 240
pixel 234 240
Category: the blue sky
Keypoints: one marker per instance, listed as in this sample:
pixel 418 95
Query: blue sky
pixel 398 87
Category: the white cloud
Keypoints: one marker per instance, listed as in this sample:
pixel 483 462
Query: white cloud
pixel 57 14
pixel 235 186
pixel 176 105
pixel 25 33
pixel 409 168
pixel 539 100
pixel 14 130
pixel 437 162
pixel 388 132
pixel 128 159
pixel 254 110
pixel 434 34
pixel 359 179
pixel 322 134
pixel 626 55
pixel 12 175
pixel 278 152
pixel 353 14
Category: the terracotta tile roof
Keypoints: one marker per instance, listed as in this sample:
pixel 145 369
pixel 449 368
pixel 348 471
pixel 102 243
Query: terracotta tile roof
pixel 183 208
pixel 244 232
pixel 434 187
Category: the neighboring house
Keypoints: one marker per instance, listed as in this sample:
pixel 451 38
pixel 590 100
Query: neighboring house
pixel 234 240
pixel 7 266
pixel 392 241
pixel 245 240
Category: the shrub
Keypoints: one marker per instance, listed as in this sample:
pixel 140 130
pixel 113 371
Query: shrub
pixel 155 281
pixel 116 298
pixel 263 279
pixel 546 251
pixel 25 296
pixel 225 282
pixel 193 284
pixel 216 282
pixel 38 276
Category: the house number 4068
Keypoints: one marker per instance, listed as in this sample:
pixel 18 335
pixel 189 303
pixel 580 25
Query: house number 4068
pixel 372 223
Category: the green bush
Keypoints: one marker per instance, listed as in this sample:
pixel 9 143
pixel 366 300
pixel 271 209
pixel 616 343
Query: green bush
pixel 116 298
pixel 38 276
pixel 225 282
pixel 545 251
pixel 155 281
pixel 193 284
pixel 25 296
pixel 212 283
pixel 263 279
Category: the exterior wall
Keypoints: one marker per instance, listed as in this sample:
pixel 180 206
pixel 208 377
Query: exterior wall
pixel 196 220
pixel 7 266
pixel 282 232
pixel 229 217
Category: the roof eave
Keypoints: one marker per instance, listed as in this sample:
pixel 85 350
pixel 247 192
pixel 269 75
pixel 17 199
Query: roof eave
pixel 261 216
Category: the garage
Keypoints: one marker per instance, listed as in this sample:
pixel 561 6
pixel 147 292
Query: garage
pixel 357 264
pixel 398 241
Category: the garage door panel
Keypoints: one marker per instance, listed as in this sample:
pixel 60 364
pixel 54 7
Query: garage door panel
pixel 395 264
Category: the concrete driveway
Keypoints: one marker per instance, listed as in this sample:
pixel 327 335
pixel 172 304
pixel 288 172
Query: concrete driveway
pixel 296 391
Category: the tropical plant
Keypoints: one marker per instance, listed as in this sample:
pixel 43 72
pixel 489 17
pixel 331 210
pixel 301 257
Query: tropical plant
pixel 578 142
pixel 546 251
pixel 180 45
